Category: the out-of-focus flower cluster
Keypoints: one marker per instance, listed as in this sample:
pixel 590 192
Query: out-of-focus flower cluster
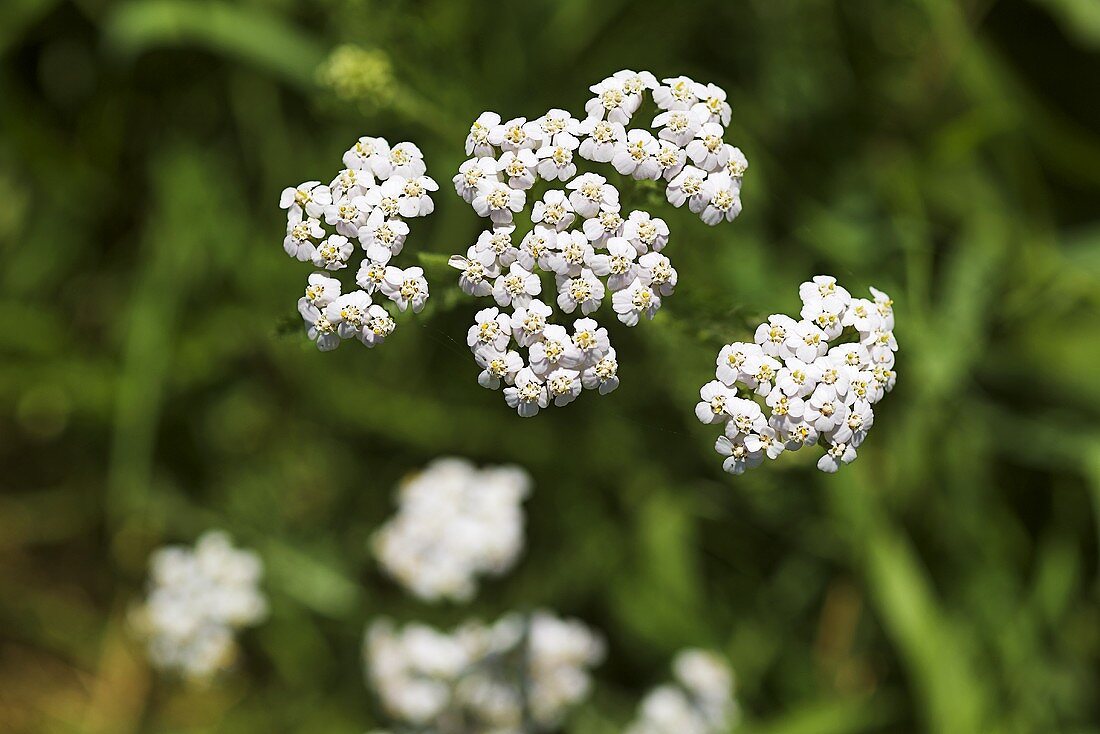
pixel 699 702
pixel 522 673
pixel 817 377
pixel 198 598
pixel 365 207
pixel 360 75
pixel 579 233
pixel 454 522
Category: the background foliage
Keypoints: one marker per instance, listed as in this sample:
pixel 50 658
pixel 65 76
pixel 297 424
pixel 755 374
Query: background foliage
pixel 154 381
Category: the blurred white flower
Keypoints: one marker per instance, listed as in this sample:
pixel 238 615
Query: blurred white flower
pixel 198 598
pixel 454 524
pixel 699 702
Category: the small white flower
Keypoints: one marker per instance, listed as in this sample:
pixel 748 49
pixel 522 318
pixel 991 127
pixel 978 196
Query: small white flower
pixel 712 105
pixel 556 160
pixel 497 365
pixel 387 197
pixel 529 322
pixel 345 216
pixel 591 340
pixel 738 457
pixel 477 142
pixel 582 291
pixel 415 201
pixel 319 328
pixel 714 399
pixel 759 373
pixel 348 313
pixel 371 155
pixel 333 253
pixel 636 156
pixel 678 127
pixel 656 271
pixel 797 378
pixel 497 200
pixel 370 275
pixel 405 160
pixel 475 278
pixel 471 174
pixel 737 163
pixel 536 247
pixel 824 410
pixel 518 167
pixel 634 85
pixel 591 193
pixel 835 456
pixel 527 395
pixel 406 288
pixel 805 341
pixel 603 375
pixel 670 160
pixel 350 183
pixel 571 253
pixel 378 325
pixel 772 335
pixel 605 225
pixel 382 238
pixel 563 386
pixel 559 128
pixel 637 300
pixel 611 102
pixel 310 197
pixel 516 134
pixel 645 233
pixel 723 199
pixel 553 210
pixel 300 234
pixel 556 350
pixel 618 264
pixel 707 150
pixel 687 186
pixel 677 93
pixel 517 287
pixel 826 313
pixel 767 442
pixel 321 290
pixel 823 286
pixel 601 139
pixel 732 360
pixel 745 417
pixel 494 246
pixel 491 329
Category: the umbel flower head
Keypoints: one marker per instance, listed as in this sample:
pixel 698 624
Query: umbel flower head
pixel 522 673
pixel 800 382
pixel 582 248
pixel 454 523
pixel 363 209
pixel 198 598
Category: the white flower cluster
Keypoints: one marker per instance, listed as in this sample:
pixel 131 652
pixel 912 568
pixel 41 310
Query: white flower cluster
pixel 814 393
pixel 455 522
pixel 521 673
pixel 700 702
pixel 607 254
pixel 369 200
pixel 197 600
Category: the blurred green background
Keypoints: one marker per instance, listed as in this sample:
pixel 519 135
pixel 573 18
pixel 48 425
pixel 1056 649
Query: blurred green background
pixel 154 381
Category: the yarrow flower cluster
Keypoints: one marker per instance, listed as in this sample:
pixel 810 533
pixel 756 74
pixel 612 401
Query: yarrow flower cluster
pixel 699 702
pixel 368 203
pixel 811 392
pixel 579 232
pixel 197 600
pixel 454 523
pixel 519 673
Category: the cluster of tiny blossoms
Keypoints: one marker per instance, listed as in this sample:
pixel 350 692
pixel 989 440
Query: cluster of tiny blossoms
pixel 197 600
pixel 817 387
pixel 579 233
pixel 455 522
pixel 699 702
pixel 367 203
pixel 519 674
